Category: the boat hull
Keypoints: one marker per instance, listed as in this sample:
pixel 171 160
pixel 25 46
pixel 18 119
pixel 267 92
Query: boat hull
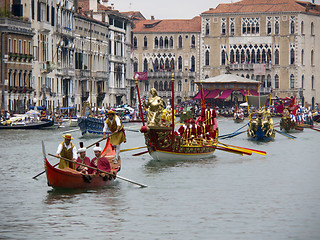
pixel 290 126
pixel 32 125
pixel 163 146
pixel 90 125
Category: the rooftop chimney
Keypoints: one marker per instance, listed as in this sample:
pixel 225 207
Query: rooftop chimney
pixel 152 17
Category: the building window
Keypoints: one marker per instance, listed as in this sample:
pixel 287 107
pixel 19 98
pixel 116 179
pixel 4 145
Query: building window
pixel 10 45
pixel 145 42
pixel 223 26
pixel 302 57
pixel 180 42
pixel 166 86
pixel 145 65
pixel 292 24
pixel 276 81
pixel 292 56
pixel 291 81
pixel 223 57
pixel 207 58
pixel 166 42
pixel 172 64
pixel 269 26
pixel 171 42
pixel 193 41
pixel 302 81
pixel 207 29
pixel 161 42
pixel 135 66
pixel 193 64
pixel 311 56
pixel 276 57
pixel 160 86
pixel 312 30
pixel 192 86
pixel 179 86
pixel 232 23
pixel 250 26
pixel 302 28
pixel 180 63
pixel 156 43
pixel 156 85
pixel 312 82
pixel 276 25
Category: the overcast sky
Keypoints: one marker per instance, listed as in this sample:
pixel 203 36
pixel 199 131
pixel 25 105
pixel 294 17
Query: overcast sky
pixel 172 9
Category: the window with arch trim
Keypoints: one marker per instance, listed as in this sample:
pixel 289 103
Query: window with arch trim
pixel 193 64
pixel 161 42
pixel 302 81
pixel 223 57
pixel 312 82
pixel 291 81
pixel 276 81
pixel 180 42
pixel 268 80
pixel 166 42
pixel 207 58
pixel 302 28
pixel 145 65
pixel 161 86
pixel 171 42
pixel 193 41
pixel 302 57
pixel 292 56
pixel 276 57
pixel 312 29
pixel 180 63
pixel 135 43
pixel 179 86
pixel 156 85
pixel 192 87
pixel 156 42
pixel 207 29
pixel 145 42
pixel 292 26
pixel 311 57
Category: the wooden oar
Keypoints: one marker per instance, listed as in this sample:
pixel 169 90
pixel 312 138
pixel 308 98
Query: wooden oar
pixel 231 150
pixel 122 178
pixel 130 149
pixel 141 153
pixel 100 140
pixel 43 172
pixel 316 129
pixel 253 150
pixel 231 135
pixel 71 131
pixel 285 134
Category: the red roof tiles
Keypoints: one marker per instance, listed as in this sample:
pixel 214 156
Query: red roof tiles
pixel 255 6
pixel 169 25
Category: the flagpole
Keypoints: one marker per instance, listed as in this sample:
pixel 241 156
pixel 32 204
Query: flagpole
pixel 136 79
pixel 172 88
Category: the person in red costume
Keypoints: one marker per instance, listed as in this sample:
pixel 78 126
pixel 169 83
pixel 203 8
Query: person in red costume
pixel 182 129
pixel 82 159
pixel 203 131
pixel 210 120
pixel 99 162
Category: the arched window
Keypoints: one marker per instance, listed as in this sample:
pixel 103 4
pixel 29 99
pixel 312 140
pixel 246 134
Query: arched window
pixel 302 81
pixel 167 65
pixel 258 56
pixel 291 81
pixel 166 86
pixel 193 41
pixel 302 57
pixel 179 86
pixel 156 85
pixel 276 57
pixel 161 64
pixel 311 57
pixel 146 86
pixel 302 28
pixel 192 86
pixel 145 65
pixel 180 42
pixel 269 28
pixel 248 76
pixel 269 81
pixel 161 42
pixel 172 65
pixel 145 42
pixel 232 56
pixel 180 63
pixel 231 29
pixel 135 66
pixel 223 29
pixel 171 42
pixel 276 28
pixel 312 33
pixel 207 58
pixel 243 56
pixel 166 42
pixel 263 56
pixel 193 64
pixel 160 86
pixel 253 57
pixel 312 82
pixel 244 28
pixel 207 29
pixel 156 65
pixel 156 42
pixel 292 56
pixel 292 27
pixel 223 57
pixel 269 56
pixel 276 81
pixel 237 56
pixel 135 42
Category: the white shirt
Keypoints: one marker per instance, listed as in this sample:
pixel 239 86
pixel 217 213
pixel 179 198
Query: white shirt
pixel 74 150
pixel 118 122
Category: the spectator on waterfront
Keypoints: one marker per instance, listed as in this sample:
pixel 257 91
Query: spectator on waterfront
pixel 67 150
pixel 99 162
pixel 82 159
pixel 115 126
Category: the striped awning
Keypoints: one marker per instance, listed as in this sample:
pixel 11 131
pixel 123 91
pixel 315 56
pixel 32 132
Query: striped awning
pixel 198 95
pixel 213 93
pixel 225 94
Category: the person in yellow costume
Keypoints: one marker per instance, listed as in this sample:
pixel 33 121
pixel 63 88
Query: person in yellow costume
pixel 67 149
pixel 114 124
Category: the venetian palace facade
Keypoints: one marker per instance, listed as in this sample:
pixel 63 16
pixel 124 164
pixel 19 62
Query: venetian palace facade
pixel 274 42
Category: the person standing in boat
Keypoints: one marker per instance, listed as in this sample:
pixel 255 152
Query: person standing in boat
pixel 203 131
pixel 114 124
pixel 82 159
pixel 67 149
pixel 99 162
pixel 210 120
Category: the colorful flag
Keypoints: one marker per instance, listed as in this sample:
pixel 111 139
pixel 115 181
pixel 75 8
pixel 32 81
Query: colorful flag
pixel 141 76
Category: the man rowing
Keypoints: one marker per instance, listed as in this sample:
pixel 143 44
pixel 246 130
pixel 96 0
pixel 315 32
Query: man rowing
pixel 67 149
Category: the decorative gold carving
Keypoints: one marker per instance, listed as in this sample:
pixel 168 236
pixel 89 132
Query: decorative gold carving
pixel 154 108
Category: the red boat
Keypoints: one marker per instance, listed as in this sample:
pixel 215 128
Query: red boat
pixel 72 179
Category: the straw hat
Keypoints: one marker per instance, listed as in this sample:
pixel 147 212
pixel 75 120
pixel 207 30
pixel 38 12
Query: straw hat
pixel 67 136
pixel 111 112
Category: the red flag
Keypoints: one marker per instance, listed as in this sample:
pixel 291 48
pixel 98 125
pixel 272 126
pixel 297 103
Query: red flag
pixel 203 102
pixel 141 76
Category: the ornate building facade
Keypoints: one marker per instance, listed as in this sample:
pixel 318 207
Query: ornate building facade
pixel 163 47
pixel 274 42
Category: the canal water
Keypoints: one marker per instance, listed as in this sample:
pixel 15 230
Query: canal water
pixel 229 196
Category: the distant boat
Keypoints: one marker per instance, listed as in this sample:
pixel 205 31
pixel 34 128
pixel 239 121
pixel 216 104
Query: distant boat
pixel 90 125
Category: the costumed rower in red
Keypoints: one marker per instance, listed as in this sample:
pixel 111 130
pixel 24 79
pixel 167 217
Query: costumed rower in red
pixel 99 162
pixel 193 129
pixel 211 121
pixel 203 131
pixel 82 159
pixel 183 127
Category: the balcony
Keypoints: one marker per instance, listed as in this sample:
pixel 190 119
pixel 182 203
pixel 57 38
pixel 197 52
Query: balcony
pixel 101 74
pixel 65 30
pixel 84 73
pixel 45 26
pixel 192 74
pixel 246 66
pixel 67 71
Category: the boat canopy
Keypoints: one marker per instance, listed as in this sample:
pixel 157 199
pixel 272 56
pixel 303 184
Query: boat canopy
pixel 226 93
pixel 198 96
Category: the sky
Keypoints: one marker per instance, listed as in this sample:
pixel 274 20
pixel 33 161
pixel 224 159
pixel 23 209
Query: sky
pixel 170 9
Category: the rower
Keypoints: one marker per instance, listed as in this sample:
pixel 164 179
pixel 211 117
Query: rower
pixel 67 149
pixel 99 162
pixel 82 159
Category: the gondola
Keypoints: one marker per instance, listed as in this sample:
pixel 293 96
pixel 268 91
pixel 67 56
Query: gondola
pixel 71 179
pixel 289 125
pixel 29 125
